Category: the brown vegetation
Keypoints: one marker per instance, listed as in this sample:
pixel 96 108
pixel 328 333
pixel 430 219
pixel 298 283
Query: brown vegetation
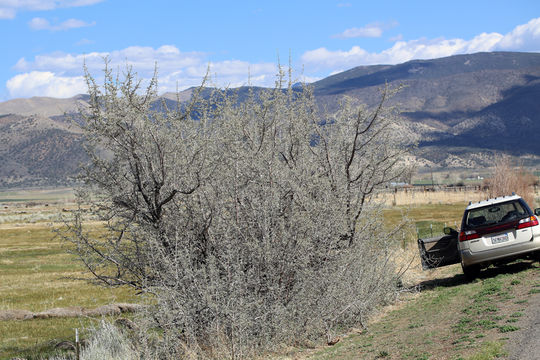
pixel 509 178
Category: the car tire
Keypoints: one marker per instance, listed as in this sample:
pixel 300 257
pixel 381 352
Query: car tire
pixel 471 272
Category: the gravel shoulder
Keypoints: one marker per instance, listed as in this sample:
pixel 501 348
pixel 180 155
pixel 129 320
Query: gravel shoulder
pixel 525 343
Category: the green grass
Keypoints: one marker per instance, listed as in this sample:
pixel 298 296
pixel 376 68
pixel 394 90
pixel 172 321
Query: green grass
pixel 489 351
pixel 428 219
pixel 61 194
pixel 507 328
pixel 37 338
pixel 35 272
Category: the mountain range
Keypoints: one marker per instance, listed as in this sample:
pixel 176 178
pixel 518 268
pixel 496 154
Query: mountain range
pixel 462 110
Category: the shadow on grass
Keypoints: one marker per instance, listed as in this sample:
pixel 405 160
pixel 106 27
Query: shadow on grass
pixel 492 271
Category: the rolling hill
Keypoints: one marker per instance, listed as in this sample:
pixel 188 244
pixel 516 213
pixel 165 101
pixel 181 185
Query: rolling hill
pixel 461 109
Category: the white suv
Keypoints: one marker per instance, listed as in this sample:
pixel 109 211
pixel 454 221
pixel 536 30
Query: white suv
pixel 494 230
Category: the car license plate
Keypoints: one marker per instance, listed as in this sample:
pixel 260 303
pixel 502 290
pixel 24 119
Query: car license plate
pixel 499 239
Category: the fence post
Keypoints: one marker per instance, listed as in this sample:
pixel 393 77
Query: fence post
pixel 77 345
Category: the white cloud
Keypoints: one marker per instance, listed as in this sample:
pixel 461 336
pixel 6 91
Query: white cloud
pixel 76 3
pixel 84 42
pixel 45 83
pixel 368 31
pixel 175 68
pixel 523 38
pixel 43 24
pixel 143 60
pixel 9 8
pixel 7 13
pixel 39 23
pixel 336 72
pixel 45 4
pixel 308 79
pixel 373 30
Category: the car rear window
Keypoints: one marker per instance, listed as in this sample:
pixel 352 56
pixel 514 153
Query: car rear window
pixel 495 214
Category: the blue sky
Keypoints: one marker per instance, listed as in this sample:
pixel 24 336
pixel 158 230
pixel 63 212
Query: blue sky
pixel 44 42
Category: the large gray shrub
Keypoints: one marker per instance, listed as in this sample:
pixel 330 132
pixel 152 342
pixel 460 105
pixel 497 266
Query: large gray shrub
pixel 251 218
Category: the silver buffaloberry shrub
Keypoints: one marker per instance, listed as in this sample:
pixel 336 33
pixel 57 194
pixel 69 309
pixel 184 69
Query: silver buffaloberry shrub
pixel 250 217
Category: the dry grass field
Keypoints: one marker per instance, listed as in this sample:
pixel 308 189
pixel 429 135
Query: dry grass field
pixel 421 196
pixel 36 274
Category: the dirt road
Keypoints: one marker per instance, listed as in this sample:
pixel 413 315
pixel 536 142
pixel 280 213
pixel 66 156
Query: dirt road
pixel 524 344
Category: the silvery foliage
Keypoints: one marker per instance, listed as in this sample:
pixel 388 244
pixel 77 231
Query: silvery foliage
pixel 106 342
pixel 250 217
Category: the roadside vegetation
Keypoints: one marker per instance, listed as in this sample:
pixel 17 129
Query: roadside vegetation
pixel 456 313
pixel 450 318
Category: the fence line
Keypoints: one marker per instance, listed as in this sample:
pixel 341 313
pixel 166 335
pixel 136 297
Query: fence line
pixel 436 194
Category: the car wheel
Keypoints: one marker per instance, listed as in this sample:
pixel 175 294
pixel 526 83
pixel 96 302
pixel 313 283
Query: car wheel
pixel 471 272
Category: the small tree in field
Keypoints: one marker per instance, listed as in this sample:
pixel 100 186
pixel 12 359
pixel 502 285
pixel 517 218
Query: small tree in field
pixel 252 222
pixel 508 178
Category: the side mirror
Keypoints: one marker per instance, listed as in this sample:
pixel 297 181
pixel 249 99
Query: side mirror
pixel 450 231
pixel 537 211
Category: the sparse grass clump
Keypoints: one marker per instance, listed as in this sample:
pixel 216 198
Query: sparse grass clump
pixel 490 350
pixel 105 342
pixel 508 328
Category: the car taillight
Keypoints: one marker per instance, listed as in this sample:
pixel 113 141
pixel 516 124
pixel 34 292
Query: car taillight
pixel 468 235
pixel 527 222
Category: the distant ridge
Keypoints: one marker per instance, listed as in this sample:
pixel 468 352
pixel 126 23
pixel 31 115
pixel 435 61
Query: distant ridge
pixel 476 104
pixel 461 109
pixel 44 106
